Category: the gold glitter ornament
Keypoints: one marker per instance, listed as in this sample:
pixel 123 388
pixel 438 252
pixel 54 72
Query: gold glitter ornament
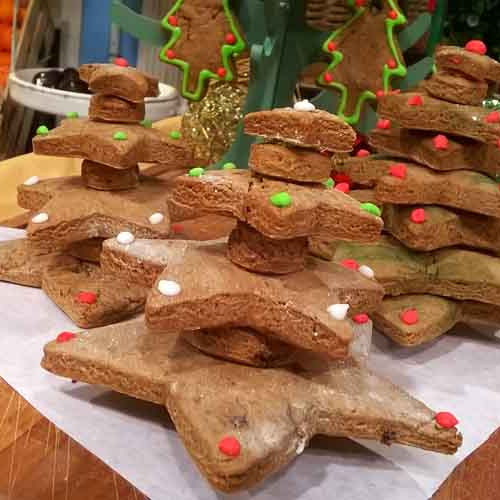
pixel 210 124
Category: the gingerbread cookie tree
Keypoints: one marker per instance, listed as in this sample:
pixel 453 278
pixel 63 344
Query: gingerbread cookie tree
pixel 443 197
pixel 73 215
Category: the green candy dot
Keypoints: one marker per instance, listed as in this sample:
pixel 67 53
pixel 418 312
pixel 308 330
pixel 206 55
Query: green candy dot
pixel 72 114
pixel 228 166
pixel 120 136
pixel 175 134
pixel 42 130
pixel 371 209
pixel 329 184
pixel 147 123
pixel 281 199
pixel 196 172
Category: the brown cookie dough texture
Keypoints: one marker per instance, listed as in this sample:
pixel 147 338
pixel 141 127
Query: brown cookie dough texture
pixel 104 178
pixel 291 405
pixel 109 108
pixel 86 250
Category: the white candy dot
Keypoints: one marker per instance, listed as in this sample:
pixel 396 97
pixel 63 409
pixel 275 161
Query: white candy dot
pixel 367 271
pixel 40 218
pixel 169 288
pixel 156 218
pixel 32 181
pixel 125 238
pixel 301 446
pixel 304 105
pixel 338 311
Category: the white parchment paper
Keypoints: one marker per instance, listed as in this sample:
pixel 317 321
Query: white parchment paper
pixel 458 373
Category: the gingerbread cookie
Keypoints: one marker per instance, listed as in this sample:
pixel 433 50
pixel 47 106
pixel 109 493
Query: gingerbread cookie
pixel 87 250
pixel 104 178
pixel 108 108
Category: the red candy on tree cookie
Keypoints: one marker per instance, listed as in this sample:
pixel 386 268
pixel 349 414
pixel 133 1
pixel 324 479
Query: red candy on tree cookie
pixel 476 46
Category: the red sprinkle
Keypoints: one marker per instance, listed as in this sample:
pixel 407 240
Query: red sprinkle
pixel 362 153
pixel 230 39
pixel 360 3
pixel 446 419
pixel 409 317
pixel 418 216
pixel 384 124
pixel 221 72
pixel 121 61
pixel 431 5
pixel 493 117
pixel 361 318
pixel 350 264
pixel 176 228
pixel 392 14
pixel 398 170
pixel 476 46
pixel 380 94
pixel 392 63
pixel 328 78
pixel 415 100
pixel 86 298
pixel 441 142
pixel 332 46
pixel 343 186
pixel 341 177
pixel 172 20
pixel 230 446
pixel 65 337
pixel 171 54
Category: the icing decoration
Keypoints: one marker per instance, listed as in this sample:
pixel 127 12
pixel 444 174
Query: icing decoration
pixel 371 208
pixel 229 48
pixel 40 218
pixel 476 46
pixel 415 100
pixel 228 166
pixel 120 136
pixel 42 130
pixel 418 216
pixel 196 172
pixel 384 124
pixel 88 298
pixel 398 170
pixel 169 288
pixel 441 142
pixel 281 200
pixel 392 22
pixel 409 317
pixel 329 183
pixel 156 218
pixel 125 238
pixel 31 181
pixel 493 117
pixel 147 123
pixel 446 420
pixel 65 337
pixel 301 446
pixel 176 228
pixel 338 311
pixel 175 134
pixel 342 177
pixel 304 105
pixel 367 272
pixel 361 319
pixel 121 61
pixel 363 153
pixel 230 446
pixel 72 114
pixel 350 264
pixel 344 187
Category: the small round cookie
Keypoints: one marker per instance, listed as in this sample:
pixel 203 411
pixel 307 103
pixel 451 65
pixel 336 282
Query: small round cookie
pixel 104 178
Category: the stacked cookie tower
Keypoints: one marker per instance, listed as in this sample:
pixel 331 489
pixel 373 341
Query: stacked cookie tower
pixel 71 216
pixel 221 317
pixel 442 205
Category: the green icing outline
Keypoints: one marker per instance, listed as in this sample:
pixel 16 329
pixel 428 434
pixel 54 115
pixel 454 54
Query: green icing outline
pixel 337 57
pixel 227 52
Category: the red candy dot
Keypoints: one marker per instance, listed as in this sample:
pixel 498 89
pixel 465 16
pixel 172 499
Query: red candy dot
pixel 415 100
pixel 221 72
pixel 418 216
pixel 172 20
pixel 431 5
pixel 360 3
pixel 86 298
pixel 176 228
pixel 65 337
pixel 361 318
pixel 446 420
pixel 441 142
pixel 398 170
pixel 384 124
pixel 343 186
pixel 392 63
pixel 121 61
pixel 350 264
pixel 230 39
pixel 171 54
pixel 392 14
pixel 332 46
pixel 380 94
pixel 230 446
pixel 493 117
pixel 362 153
pixel 476 46
pixel 341 177
pixel 409 317
pixel 328 78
